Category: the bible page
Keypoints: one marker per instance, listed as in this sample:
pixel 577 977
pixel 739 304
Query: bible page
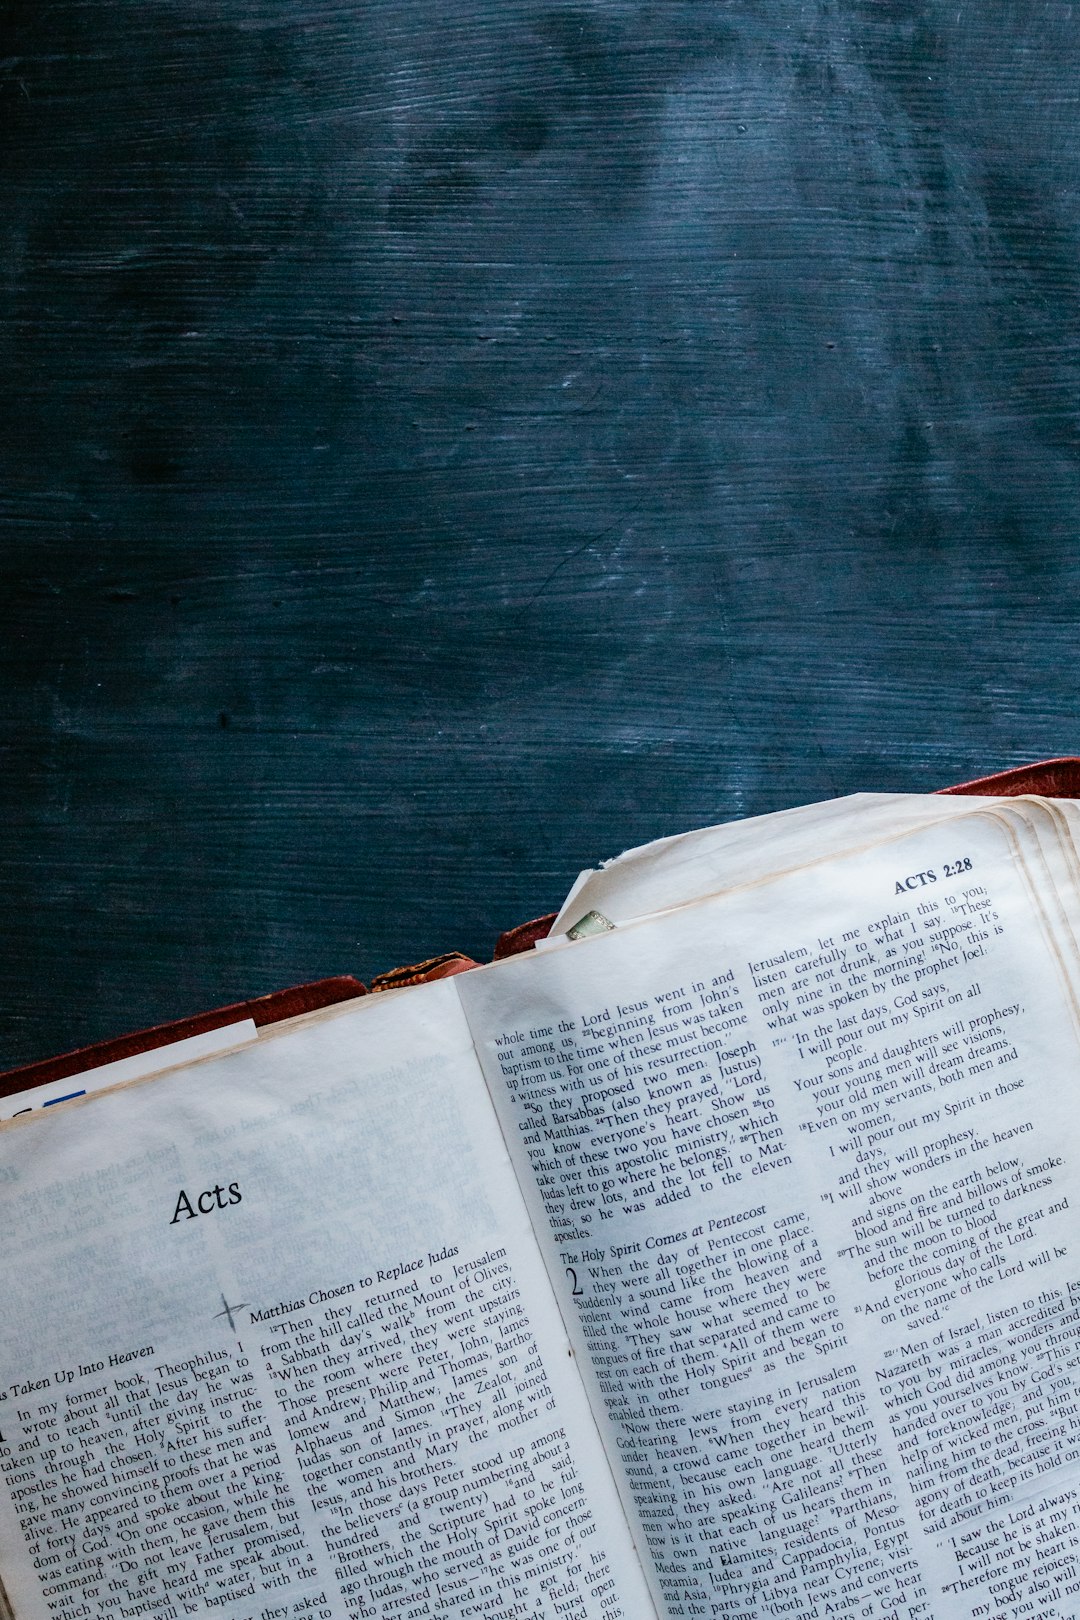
pixel 278 1345
pixel 689 866
pixel 808 1160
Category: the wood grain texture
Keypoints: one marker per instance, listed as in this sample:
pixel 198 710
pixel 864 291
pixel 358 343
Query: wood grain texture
pixel 445 445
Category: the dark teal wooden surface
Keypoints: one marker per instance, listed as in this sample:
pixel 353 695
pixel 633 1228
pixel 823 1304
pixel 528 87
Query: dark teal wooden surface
pixel 445 445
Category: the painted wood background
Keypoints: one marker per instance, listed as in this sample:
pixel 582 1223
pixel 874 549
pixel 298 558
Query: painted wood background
pixel 444 444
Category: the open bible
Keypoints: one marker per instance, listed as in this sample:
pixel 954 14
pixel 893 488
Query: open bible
pixel 717 1258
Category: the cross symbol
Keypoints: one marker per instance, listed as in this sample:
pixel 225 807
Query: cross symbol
pixel 228 1311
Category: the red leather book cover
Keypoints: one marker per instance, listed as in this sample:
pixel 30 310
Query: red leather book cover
pixel 1052 778
pixel 262 1010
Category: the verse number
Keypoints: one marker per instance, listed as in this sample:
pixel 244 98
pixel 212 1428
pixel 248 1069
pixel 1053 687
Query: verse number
pixel 954 868
pixel 576 1289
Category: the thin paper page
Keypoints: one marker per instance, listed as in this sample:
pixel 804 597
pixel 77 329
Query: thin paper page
pixel 139 1066
pixel 809 1157
pixel 1044 848
pixel 675 871
pixel 277 1339
pixel 667 859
